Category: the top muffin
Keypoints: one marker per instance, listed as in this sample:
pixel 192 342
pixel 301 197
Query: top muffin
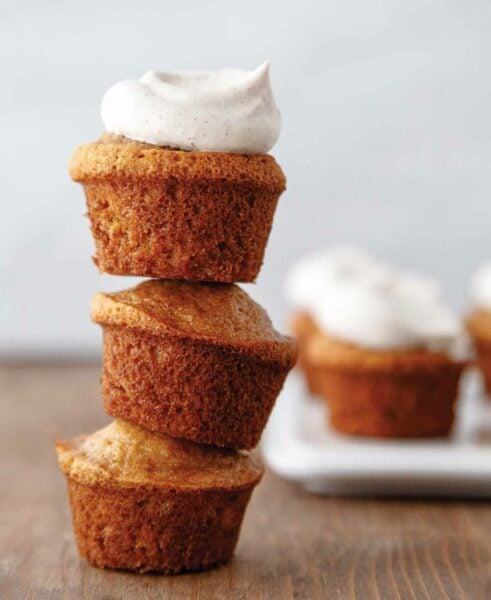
pixel 180 186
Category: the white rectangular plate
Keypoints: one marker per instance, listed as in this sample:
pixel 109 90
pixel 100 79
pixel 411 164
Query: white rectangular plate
pixel 299 446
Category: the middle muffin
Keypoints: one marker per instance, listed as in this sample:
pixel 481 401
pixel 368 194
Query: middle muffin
pixel 197 361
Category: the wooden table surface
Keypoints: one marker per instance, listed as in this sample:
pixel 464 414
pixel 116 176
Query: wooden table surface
pixel 293 545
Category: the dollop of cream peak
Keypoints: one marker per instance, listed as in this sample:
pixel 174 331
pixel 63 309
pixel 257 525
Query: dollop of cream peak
pixel 480 291
pixel 361 300
pixel 224 110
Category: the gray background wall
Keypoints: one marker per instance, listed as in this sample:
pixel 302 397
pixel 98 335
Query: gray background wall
pixel 386 136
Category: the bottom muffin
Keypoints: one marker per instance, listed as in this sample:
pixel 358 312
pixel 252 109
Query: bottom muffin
pixel 144 502
pixel 373 393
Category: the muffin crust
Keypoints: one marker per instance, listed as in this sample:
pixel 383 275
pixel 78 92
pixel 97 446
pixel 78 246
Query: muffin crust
pixel 126 455
pixel 116 155
pixel 212 313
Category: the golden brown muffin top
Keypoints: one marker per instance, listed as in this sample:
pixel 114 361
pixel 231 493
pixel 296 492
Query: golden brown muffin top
pixel 116 155
pixel 126 455
pixel 479 324
pixel 323 349
pixel 216 313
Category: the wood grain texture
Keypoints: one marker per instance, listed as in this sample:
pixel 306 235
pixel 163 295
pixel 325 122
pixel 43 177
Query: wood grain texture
pixel 293 545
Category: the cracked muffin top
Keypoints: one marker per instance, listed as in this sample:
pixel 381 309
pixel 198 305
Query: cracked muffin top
pixel 127 455
pixel 221 314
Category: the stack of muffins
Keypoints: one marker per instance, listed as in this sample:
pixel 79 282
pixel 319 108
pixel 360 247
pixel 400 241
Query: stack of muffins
pixel 179 189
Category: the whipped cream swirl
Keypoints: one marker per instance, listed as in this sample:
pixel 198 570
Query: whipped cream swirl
pixel 361 300
pixel 227 110
pixel 481 286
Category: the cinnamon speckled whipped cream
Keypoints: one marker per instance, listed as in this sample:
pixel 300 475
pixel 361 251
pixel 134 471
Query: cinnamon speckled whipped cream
pixel 361 300
pixel 226 110
pixel 481 287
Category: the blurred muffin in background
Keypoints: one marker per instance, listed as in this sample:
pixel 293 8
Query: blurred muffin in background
pixel 479 320
pixel 378 345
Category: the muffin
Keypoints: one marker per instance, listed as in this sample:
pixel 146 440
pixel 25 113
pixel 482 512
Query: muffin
pixel 377 345
pixel 192 360
pixel 479 321
pixel 144 502
pixel 180 186
pixel 303 328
